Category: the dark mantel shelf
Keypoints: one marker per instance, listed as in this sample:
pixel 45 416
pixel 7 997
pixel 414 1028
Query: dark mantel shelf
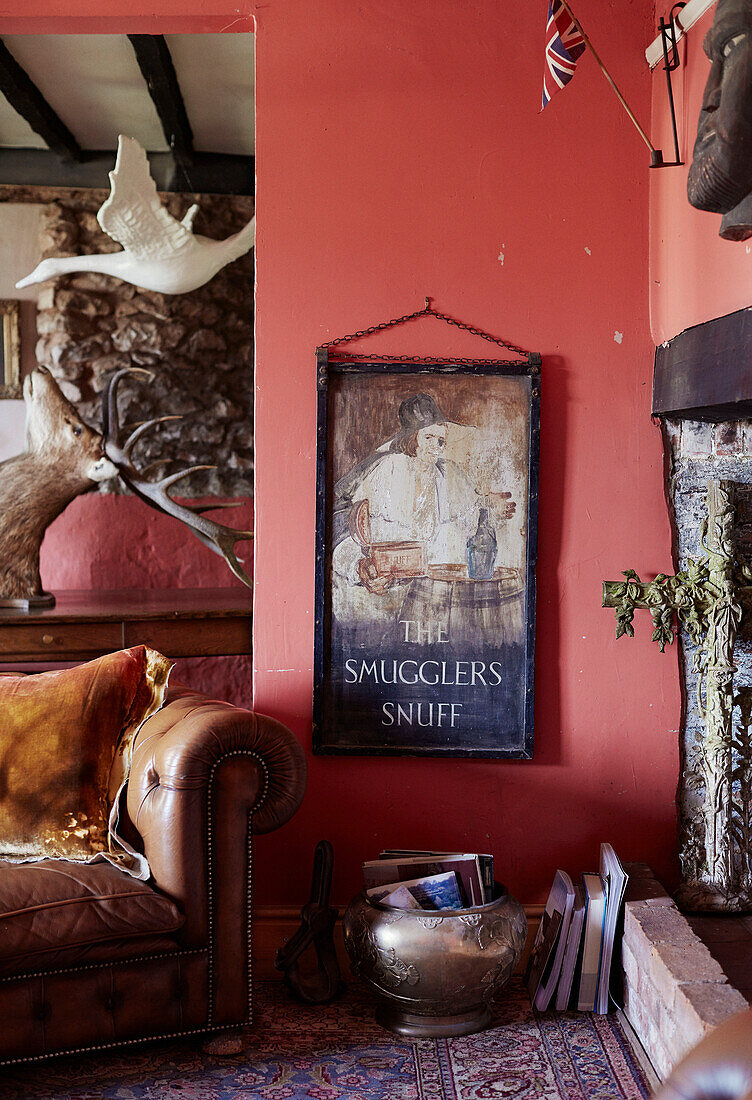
pixel 705 373
pixel 179 622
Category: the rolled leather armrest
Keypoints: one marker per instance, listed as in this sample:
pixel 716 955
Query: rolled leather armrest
pixel 718 1068
pixel 204 776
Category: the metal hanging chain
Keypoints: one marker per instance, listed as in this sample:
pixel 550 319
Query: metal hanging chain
pixel 427 310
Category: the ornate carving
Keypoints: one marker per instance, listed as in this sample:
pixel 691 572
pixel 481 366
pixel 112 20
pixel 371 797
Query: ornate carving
pixel 430 921
pixel 497 977
pixel 391 969
pixel 684 595
pixel 716 653
pixel 708 599
pixel 625 597
pixel 470 919
pixel 382 965
pixel 741 789
pixel 493 931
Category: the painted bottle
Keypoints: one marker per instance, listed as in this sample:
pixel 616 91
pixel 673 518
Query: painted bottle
pixel 481 549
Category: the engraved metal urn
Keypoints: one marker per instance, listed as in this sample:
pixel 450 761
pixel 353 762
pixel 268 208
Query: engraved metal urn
pixel 436 972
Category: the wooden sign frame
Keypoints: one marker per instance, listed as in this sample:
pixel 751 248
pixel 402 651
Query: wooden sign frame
pixel 418 651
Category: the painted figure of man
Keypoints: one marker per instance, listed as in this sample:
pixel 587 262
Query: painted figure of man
pixel 720 177
pixel 414 494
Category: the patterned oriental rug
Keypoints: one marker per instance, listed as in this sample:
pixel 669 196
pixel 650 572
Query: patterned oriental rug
pixel 338 1052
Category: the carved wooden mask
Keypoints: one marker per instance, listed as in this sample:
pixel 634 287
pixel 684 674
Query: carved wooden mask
pixel 720 176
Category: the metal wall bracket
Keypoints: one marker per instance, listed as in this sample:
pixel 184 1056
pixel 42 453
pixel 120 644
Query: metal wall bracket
pixel 670 64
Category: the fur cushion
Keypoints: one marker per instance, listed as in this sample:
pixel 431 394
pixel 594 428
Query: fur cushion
pixel 65 746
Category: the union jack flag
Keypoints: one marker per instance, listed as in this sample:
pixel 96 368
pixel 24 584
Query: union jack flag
pixel 564 46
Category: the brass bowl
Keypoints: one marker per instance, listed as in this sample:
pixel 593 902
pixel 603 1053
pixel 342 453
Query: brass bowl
pixel 436 973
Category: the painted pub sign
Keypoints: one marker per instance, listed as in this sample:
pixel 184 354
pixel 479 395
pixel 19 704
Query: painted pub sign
pixel 426 541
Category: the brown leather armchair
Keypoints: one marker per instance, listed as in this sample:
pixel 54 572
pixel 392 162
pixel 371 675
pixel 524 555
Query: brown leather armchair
pixel 89 956
pixel 718 1068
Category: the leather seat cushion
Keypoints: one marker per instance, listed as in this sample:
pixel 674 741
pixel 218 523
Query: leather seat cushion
pixel 56 912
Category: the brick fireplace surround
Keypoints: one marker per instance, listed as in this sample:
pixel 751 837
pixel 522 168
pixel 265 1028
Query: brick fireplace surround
pixel 683 975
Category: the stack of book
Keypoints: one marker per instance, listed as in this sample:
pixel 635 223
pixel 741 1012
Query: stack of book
pixel 408 879
pixel 570 964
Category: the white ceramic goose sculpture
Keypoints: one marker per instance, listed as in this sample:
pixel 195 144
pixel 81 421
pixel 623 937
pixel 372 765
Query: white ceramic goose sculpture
pixel 159 252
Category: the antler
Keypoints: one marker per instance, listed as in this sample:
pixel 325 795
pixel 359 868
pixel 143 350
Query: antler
pixel 216 536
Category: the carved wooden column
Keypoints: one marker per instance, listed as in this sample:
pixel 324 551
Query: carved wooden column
pixel 723 616
pixel 707 598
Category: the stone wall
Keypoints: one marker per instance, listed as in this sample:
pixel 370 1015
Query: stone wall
pixel 698 452
pixel 198 345
pixel 674 990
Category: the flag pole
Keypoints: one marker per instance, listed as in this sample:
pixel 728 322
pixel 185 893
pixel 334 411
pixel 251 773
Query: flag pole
pixel 656 156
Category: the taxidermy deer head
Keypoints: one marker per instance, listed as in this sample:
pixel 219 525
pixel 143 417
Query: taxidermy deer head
pixel 62 458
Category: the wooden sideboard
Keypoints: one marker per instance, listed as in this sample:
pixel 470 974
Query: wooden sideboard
pixel 179 622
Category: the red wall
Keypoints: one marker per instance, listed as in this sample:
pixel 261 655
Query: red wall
pixel 120 542
pixel 694 274
pixel 399 153
pixel 112 541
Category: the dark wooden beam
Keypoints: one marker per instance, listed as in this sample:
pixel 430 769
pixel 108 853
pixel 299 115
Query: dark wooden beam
pixel 158 71
pixel 211 173
pixel 25 98
pixel 705 373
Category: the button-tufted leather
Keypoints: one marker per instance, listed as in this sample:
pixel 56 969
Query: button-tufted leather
pixel 183 744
